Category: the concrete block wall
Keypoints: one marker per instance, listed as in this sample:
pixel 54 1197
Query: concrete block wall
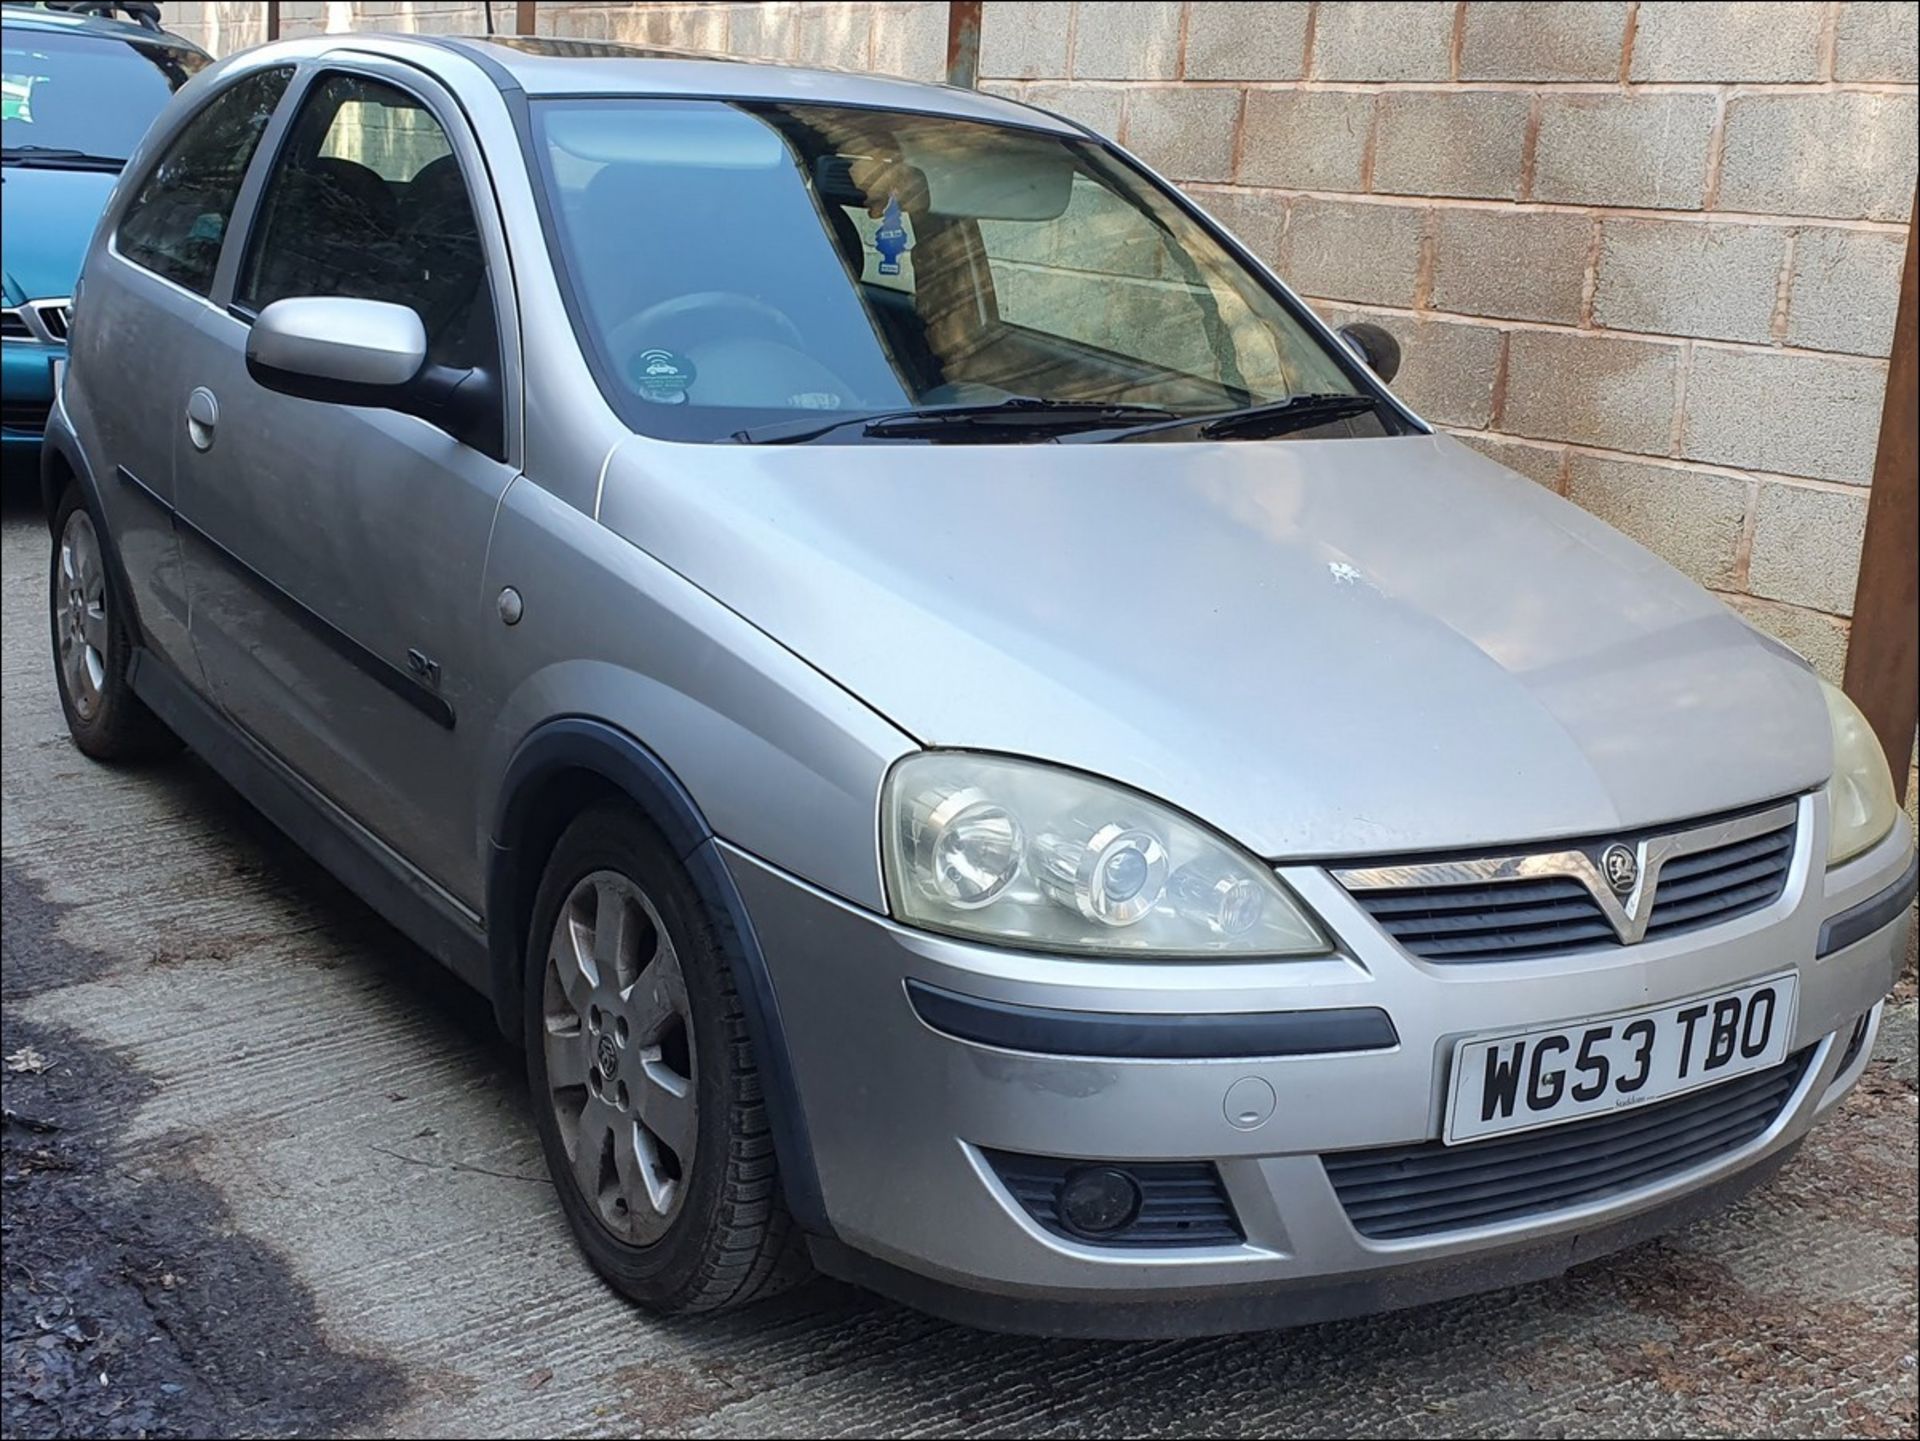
pixel 897 37
pixel 1645 252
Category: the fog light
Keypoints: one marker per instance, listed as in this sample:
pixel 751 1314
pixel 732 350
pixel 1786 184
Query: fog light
pixel 1098 1200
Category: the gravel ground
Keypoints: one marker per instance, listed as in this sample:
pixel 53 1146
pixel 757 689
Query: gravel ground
pixel 267 1171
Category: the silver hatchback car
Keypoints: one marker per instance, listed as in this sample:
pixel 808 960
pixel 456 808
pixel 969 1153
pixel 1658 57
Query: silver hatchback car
pixel 973 740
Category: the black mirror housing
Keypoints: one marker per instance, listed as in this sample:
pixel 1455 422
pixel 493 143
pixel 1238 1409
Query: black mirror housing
pixel 1375 345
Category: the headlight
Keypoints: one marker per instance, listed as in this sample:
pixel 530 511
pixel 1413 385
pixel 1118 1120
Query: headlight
pixel 1049 859
pixel 1860 804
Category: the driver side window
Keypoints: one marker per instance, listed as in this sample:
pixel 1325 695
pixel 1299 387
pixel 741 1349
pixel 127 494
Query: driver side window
pixel 367 201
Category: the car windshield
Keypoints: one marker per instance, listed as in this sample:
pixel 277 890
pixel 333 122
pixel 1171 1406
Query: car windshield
pixel 83 98
pixel 742 267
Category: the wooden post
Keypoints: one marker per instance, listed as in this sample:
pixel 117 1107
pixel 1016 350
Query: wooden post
pixel 1883 657
pixel 273 19
pixel 963 42
pixel 523 22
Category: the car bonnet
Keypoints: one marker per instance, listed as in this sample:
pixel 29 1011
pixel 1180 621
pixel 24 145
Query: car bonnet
pixel 1321 647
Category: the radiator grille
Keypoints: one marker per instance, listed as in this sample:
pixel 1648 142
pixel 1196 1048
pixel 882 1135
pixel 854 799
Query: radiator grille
pixel 1707 887
pixel 26 415
pixel 1545 915
pixel 1427 1188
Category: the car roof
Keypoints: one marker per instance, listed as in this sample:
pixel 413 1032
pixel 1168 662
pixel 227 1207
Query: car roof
pixel 546 66
pixel 70 22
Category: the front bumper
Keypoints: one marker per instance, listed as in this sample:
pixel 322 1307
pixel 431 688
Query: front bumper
pixel 26 393
pixel 902 1117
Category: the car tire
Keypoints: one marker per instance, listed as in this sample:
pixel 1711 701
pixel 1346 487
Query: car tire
pixel 91 646
pixel 630 998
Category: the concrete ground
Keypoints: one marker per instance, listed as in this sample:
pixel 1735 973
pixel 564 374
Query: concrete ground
pixel 306 1163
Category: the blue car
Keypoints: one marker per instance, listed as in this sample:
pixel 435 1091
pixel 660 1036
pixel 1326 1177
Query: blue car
pixel 79 85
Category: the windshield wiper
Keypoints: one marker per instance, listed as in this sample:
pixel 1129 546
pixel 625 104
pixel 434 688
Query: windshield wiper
pixel 55 156
pixel 1020 412
pixel 1278 417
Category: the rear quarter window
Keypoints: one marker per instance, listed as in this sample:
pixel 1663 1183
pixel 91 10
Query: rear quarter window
pixel 178 218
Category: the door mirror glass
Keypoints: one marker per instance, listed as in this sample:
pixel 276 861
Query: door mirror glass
pixel 326 347
pixel 1375 346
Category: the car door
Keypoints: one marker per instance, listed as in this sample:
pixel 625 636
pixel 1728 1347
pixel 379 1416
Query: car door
pixel 147 293
pixel 335 553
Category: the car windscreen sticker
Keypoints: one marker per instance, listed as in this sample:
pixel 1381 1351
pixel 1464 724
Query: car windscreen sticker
pixel 891 238
pixel 662 376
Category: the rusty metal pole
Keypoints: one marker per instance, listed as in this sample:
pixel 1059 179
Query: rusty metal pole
pixel 963 43
pixel 273 19
pixel 523 21
pixel 1883 656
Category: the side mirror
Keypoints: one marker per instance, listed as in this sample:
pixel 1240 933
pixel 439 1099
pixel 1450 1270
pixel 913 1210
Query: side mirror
pixel 1375 346
pixel 345 351
pixel 350 352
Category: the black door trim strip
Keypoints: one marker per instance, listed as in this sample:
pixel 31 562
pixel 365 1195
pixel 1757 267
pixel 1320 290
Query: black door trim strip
pixel 428 702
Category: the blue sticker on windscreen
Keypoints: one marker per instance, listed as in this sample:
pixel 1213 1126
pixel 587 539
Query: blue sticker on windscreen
pixel 891 239
pixel 662 376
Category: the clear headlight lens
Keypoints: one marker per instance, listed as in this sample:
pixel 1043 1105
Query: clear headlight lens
pixel 1860 803
pixel 1049 859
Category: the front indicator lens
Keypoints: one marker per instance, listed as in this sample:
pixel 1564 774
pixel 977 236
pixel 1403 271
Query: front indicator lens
pixel 1861 807
pixel 1225 901
pixel 1043 858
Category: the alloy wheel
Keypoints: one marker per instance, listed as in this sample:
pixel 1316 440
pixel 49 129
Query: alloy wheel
pixel 618 1036
pixel 80 615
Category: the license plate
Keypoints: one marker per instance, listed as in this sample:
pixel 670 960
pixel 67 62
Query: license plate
pixel 1523 1080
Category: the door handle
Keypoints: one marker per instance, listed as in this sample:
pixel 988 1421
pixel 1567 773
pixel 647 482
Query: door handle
pixel 203 414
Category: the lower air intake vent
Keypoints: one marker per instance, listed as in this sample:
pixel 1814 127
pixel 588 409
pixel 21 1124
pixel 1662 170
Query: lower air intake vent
pixel 1422 1189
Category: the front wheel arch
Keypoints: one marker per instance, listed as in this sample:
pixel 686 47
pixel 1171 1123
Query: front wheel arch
pixel 57 472
pixel 557 772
